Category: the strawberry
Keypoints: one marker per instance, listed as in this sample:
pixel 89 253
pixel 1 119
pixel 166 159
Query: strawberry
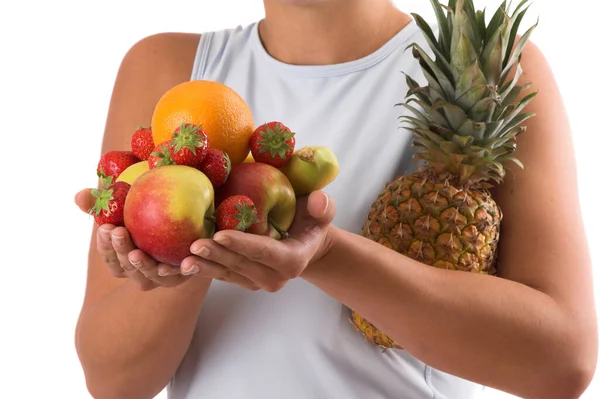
pixel 216 166
pixel 272 143
pixel 110 201
pixel 189 144
pixel 142 143
pixel 161 155
pixel 237 212
pixel 113 163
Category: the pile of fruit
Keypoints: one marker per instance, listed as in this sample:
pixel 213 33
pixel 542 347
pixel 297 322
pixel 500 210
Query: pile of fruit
pixel 202 167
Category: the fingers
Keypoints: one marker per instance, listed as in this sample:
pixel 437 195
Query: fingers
pixel 122 245
pixel 148 270
pixel 193 265
pixel 85 200
pixel 321 207
pixel 107 252
pixel 262 275
pixel 257 250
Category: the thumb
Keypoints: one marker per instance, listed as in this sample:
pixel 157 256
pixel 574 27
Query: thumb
pixel 84 199
pixel 321 207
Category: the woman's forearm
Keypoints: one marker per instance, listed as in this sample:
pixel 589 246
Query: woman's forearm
pixel 494 331
pixel 131 342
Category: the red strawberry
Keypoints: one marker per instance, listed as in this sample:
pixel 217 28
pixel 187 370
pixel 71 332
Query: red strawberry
pixel 142 143
pixel 216 166
pixel 272 143
pixel 161 155
pixel 236 213
pixel 113 163
pixel 189 144
pixel 110 201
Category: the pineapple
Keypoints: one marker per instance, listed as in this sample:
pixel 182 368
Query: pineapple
pixel 464 122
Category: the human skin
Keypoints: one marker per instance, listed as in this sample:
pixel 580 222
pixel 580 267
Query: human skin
pixel 531 332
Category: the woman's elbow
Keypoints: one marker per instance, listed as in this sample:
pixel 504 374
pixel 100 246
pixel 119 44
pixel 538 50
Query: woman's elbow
pixel 574 369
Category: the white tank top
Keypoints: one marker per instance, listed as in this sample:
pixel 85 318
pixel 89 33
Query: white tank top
pixel 298 343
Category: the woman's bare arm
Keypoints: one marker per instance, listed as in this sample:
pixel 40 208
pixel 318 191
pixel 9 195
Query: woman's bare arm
pixel 131 341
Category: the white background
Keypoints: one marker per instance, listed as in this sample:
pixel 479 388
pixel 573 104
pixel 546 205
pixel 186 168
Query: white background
pixel 58 61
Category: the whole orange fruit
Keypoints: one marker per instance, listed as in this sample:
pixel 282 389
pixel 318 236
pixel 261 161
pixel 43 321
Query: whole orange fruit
pixel 224 115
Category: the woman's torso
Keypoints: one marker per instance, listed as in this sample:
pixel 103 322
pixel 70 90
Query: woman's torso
pixel 298 343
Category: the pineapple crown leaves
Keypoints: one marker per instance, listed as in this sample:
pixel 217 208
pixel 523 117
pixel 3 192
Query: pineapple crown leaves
pixel 274 140
pixel 466 118
pixel 245 215
pixel 188 137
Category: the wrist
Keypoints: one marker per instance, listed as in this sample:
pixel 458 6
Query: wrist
pixel 322 256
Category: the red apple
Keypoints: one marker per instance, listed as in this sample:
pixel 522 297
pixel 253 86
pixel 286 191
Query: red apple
pixel 167 209
pixel 271 192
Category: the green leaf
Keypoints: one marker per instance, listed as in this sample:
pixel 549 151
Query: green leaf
pixel 453 113
pixel 472 96
pixel 433 44
pixel 512 159
pixel 483 110
pixel 513 33
pixel 463 141
pixel 469 8
pixel 415 122
pixel 477 152
pixel 432 114
pixel 474 129
pixel 516 54
pixel 522 104
pixel 450 147
pixel 415 89
pixel 444 31
pixel 493 54
pixel 496 21
pixel 434 70
pixel 508 86
pixel 463 56
pixel 481 22
pixel 431 136
pixel 429 118
pixel 472 76
pixel 511 96
pixel 517 120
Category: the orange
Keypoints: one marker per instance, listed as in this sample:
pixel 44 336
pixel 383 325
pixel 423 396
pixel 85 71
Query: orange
pixel 224 115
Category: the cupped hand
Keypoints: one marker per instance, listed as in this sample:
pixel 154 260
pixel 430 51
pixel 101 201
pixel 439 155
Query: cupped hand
pixel 259 262
pixel 123 259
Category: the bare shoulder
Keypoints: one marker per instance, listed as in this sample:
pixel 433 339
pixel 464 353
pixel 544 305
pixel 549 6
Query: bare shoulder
pixel 151 67
pixel 168 56
pixel 543 240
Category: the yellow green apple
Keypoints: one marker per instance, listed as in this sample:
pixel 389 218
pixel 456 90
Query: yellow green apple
pixel 167 209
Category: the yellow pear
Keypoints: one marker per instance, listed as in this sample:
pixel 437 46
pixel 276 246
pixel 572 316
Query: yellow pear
pixel 310 169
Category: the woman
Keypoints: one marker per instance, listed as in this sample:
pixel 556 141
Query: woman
pixel 312 64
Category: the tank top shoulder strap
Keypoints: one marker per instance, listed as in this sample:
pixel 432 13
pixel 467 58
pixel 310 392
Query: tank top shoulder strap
pixel 217 48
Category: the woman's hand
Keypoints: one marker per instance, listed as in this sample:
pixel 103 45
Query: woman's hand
pixel 259 262
pixel 123 259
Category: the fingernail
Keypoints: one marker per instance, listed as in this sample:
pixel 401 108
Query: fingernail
pixel 192 270
pixel 135 262
pixel 119 240
pixel 221 239
pixel 164 273
pixel 202 251
pixel 326 203
pixel 105 235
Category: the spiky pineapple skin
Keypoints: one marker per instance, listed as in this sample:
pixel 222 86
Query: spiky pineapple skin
pixel 436 222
